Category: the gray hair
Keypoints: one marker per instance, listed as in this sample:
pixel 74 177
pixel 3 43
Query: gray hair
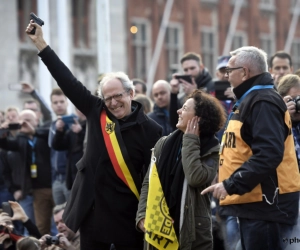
pixel 59 208
pixel 254 58
pixel 126 82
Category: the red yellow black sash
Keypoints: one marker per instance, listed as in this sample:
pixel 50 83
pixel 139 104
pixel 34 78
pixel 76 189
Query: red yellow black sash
pixel 118 153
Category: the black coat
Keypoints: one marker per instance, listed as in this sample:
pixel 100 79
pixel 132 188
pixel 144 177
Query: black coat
pixel 73 143
pixel 96 184
pixel 19 159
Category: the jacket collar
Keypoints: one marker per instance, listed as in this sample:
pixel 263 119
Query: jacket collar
pixel 262 79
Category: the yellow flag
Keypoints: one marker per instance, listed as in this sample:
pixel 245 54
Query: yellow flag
pixel 158 224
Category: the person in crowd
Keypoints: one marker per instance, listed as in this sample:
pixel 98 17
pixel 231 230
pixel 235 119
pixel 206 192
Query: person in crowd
pixel 280 65
pixel 66 238
pixel 193 66
pixel 105 193
pixel 59 104
pixel 289 89
pixel 139 86
pixel 188 160
pixel 72 141
pixel 34 172
pixel 8 235
pixel 297 72
pixel 2 116
pixel 11 120
pixel 145 101
pixel 37 105
pixel 229 223
pixel 161 91
pixel 28 243
pixel 259 180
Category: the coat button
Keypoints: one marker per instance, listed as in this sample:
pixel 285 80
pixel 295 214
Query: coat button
pixel 186 206
pixel 199 224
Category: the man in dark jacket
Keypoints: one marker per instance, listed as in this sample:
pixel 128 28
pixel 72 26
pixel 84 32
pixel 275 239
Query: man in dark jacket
pixel 105 194
pixel 161 95
pixel 71 139
pixel 193 66
pixel 34 167
pixel 258 173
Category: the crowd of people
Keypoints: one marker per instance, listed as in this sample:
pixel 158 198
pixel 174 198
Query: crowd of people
pixel 227 162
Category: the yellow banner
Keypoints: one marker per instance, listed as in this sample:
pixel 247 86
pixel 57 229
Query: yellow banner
pixel 158 224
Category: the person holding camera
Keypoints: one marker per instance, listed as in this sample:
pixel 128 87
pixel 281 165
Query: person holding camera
pixel 65 239
pixel 34 168
pixel 8 235
pixel 289 89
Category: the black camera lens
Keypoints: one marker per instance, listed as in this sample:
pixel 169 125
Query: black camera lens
pixel 52 240
pixel 297 103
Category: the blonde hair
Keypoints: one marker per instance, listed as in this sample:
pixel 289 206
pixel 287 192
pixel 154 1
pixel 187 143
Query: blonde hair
pixel 287 82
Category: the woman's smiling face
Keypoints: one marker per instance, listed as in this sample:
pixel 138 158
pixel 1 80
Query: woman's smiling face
pixel 186 113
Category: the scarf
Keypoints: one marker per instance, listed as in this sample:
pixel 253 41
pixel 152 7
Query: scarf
pixel 171 173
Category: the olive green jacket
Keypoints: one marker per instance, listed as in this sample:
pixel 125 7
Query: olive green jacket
pixel 196 230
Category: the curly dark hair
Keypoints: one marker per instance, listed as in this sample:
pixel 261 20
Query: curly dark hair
pixel 211 112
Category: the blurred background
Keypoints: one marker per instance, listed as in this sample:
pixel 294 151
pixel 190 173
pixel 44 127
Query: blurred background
pixel 143 38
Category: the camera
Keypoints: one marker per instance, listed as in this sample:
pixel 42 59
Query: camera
pixel 297 103
pixel 36 20
pixel 52 240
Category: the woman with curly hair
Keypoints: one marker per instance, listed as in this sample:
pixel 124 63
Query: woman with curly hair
pixel 187 161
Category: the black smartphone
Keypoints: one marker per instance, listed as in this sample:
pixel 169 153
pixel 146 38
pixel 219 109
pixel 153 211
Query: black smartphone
pixel 14 126
pixel 6 208
pixel 187 78
pixel 220 88
pixel 37 20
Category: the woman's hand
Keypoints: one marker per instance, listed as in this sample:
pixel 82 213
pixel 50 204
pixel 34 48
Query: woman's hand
pixel 19 213
pixel 193 126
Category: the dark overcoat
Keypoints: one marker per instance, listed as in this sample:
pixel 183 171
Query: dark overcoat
pixel 97 187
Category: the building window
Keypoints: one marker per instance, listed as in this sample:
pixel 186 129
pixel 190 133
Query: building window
pixel 267 5
pixel 173 45
pixel 24 9
pixel 296 54
pixel 208 51
pixel 141 48
pixel 267 44
pixel 239 40
pixel 80 22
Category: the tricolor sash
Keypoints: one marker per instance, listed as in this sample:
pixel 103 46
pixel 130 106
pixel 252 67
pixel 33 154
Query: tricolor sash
pixel 118 154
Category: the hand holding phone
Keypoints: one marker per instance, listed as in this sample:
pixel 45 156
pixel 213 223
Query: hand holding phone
pixel 6 208
pixel 37 20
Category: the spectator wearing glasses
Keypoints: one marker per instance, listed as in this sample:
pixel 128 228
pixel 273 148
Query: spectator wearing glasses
pixel 105 194
pixel 259 180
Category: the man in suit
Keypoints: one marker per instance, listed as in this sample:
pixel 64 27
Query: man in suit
pixel 105 194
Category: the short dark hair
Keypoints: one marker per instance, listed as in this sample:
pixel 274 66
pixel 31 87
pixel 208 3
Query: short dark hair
pixel 136 81
pixel 283 55
pixel 29 101
pixel 210 110
pixel 56 91
pixel 191 56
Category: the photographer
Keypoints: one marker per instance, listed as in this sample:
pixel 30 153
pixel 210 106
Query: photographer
pixel 66 239
pixel 8 235
pixel 289 89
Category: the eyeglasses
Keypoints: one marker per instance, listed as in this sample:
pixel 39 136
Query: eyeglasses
pixel 117 97
pixel 229 70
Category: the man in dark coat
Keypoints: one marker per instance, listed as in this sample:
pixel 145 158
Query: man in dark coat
pixel 105 194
